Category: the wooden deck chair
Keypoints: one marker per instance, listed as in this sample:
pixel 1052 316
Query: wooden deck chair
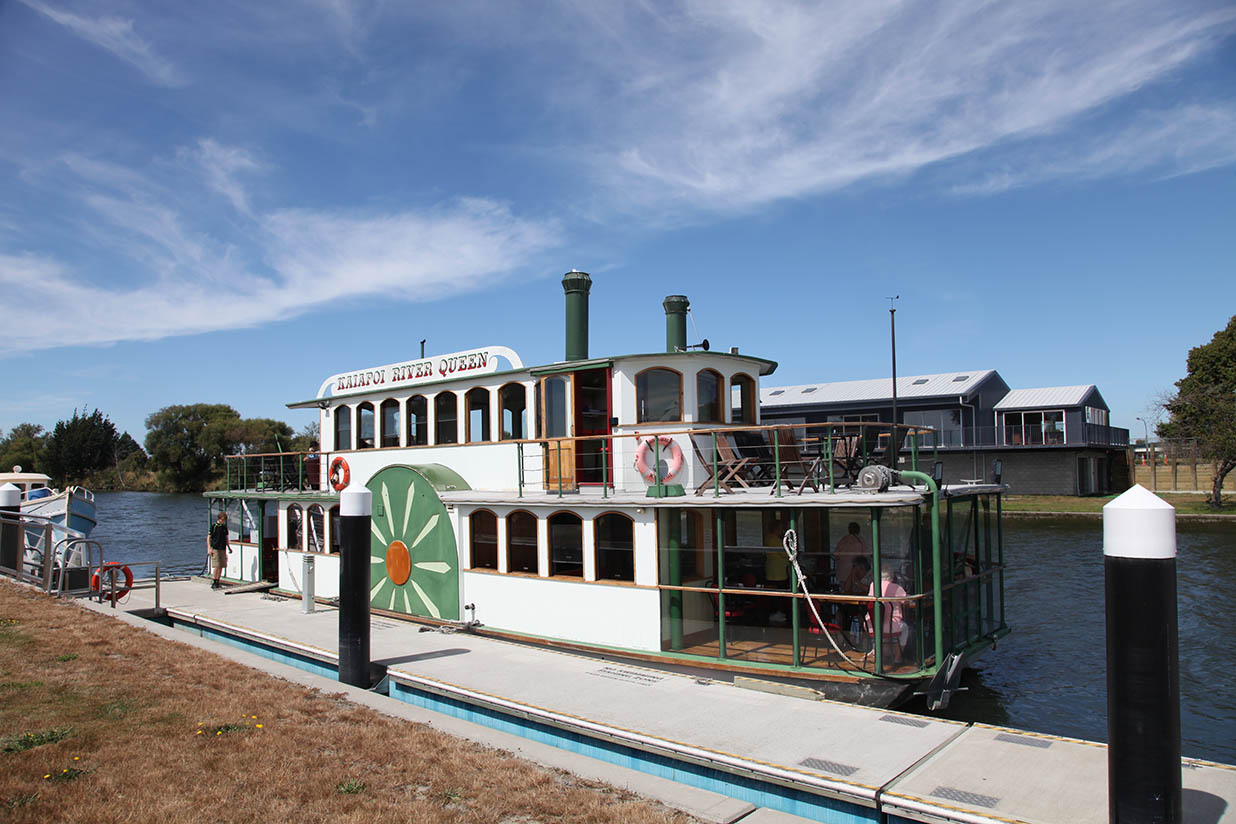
pixel 792 461
pixel 752 445
pixel 847 459
pixel 729 467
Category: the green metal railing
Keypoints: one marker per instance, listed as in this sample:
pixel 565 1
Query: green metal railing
pixel 273 472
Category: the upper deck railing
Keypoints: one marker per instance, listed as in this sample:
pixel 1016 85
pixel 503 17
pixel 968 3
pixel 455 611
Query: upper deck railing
pixel 274 472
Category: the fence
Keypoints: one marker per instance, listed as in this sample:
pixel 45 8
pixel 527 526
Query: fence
pixel 1174 464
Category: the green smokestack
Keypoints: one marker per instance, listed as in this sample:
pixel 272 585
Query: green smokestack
pixel 676 323
pixel 576 285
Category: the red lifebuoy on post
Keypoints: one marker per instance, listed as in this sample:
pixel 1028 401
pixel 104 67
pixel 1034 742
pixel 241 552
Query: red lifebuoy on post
pixel 340 475
pixel 669 448
pixel 97 581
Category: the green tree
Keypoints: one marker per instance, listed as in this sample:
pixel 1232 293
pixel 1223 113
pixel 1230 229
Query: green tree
pixel 22 447
pixel 1204 406
pixel 79 446
pixel 187 443
pixel 255 436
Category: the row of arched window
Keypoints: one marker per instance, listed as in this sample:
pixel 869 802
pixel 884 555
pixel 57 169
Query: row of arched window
pixel 658 397
pixel 613 534
pixel 307 529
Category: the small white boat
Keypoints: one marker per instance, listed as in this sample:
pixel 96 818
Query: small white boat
pixel 72 507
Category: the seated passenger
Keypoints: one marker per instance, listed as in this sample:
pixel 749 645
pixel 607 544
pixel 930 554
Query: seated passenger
pixel 896 628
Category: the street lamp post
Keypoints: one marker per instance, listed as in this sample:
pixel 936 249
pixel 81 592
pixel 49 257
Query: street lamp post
pixel 1146 440
pixel 894 448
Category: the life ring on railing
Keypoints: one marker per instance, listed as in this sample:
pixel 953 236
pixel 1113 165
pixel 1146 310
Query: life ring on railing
pixel 673 462
pixel 97 580
pixel 340 475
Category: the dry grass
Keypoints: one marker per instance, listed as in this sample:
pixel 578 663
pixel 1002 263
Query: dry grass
pixel 137 728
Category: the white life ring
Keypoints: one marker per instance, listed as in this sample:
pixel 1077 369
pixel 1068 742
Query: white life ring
pixel 674 460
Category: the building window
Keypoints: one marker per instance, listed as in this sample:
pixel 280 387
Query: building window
pixel 708 406
pixel 484 530
pixel 1032 428
pixel 514 401
pixel 566 545
pixel 1096 415
pixel 343 427
pixel 658 395
pixel 477 405
pixel 446 418
pixel 295 538
pixel 418 421
pixel 390 422
pixel 615 542
pixel 336 539
pixel 521 543
pixel 364 426
pixel 317 529
pixel 743 398
pixel 945 422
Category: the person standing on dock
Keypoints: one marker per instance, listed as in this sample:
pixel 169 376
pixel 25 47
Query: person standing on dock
pixel 218 548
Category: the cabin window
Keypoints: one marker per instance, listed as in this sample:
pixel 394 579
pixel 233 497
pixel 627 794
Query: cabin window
pixel 446 418
pixel 658 395
pixel 317 529
pixel 521 543
pixel 390 422
pixel 294 518
pixel 477 403
pixel 343 427
pixel 364 426
pixel 514 400
pixel 708 406
pixel 484 528
pixel 615 543
pixel 418 421
pixel 566 545
pixel 743 398
pixel 336 538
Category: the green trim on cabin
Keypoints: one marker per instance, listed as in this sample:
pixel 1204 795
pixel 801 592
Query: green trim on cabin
pixel 440 477
pixel 252 495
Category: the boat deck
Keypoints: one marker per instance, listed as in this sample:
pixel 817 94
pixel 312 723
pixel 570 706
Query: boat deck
pixel 818 759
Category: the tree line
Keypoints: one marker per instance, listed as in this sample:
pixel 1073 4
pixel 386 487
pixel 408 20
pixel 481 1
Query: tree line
pixel 183 451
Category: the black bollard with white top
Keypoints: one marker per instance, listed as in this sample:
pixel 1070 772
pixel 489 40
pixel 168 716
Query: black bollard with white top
pixel 10 531
pixel 1143 664
pixel 355 509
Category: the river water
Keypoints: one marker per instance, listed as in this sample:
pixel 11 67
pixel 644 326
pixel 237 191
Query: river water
pixel 1048 676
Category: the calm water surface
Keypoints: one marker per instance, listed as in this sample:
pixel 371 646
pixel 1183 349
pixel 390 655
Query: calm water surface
pixel 1048 676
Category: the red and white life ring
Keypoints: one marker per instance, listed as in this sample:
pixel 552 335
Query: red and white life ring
pixel 340 475
pixel 97 581
pixel 669 448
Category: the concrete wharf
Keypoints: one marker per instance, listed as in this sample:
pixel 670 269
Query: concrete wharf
pixel 748 754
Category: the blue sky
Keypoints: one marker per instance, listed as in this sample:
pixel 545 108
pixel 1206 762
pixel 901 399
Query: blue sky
pixel 227 202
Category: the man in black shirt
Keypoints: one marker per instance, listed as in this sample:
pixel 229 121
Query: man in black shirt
pixel 218 548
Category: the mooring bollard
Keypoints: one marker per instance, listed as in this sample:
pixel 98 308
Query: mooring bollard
pixel 1143 662
pixel 306 583
pixel 355 508
pixel 10 529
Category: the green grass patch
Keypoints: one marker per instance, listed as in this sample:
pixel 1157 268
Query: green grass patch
pixel 68 656
pixel 18 801
pixel 18 686
pixel 352 786
pixel 117 709
pixel 30 740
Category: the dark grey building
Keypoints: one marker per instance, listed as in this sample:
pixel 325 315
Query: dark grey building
pixel 1050 440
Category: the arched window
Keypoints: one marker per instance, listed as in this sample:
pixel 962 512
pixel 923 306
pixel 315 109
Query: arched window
pixel 446 418
pixel 477 404
pixel 295 536
pixel 390 422
pixel 615 542
pixel 484 528
pixel 418 421
pixel 708 405
pixel 521 543
pixel 343 427
pixel 743 398
pixel 364 426
pixel 566 545
pixel 658 395
pixel 317 529
pixel 336 539
pixel 514 400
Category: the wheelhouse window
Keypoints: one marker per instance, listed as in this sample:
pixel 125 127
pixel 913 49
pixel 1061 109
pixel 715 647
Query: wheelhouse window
pixel 708 385
pixel 483 526
pixel 294 519
pixel 477 404
pixel 566 545
pixel 317 529
pixel 446 418
pixel 364 426
pixel 513 399
pixel 343 427
pixel 743 398
pixel 336 538
pixel 418 421
pixel 390 422
pixel 521 543
pixel 658 395
pixel 615 543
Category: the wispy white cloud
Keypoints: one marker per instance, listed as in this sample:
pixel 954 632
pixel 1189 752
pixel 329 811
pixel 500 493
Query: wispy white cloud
pixel 116 35
pixel 221 167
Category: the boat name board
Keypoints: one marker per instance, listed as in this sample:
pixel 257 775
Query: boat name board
pixel 458 364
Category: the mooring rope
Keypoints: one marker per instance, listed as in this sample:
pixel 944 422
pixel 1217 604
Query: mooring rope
pixel 789 542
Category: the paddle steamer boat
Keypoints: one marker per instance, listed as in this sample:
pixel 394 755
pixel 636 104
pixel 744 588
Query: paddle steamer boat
pixel 634 508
